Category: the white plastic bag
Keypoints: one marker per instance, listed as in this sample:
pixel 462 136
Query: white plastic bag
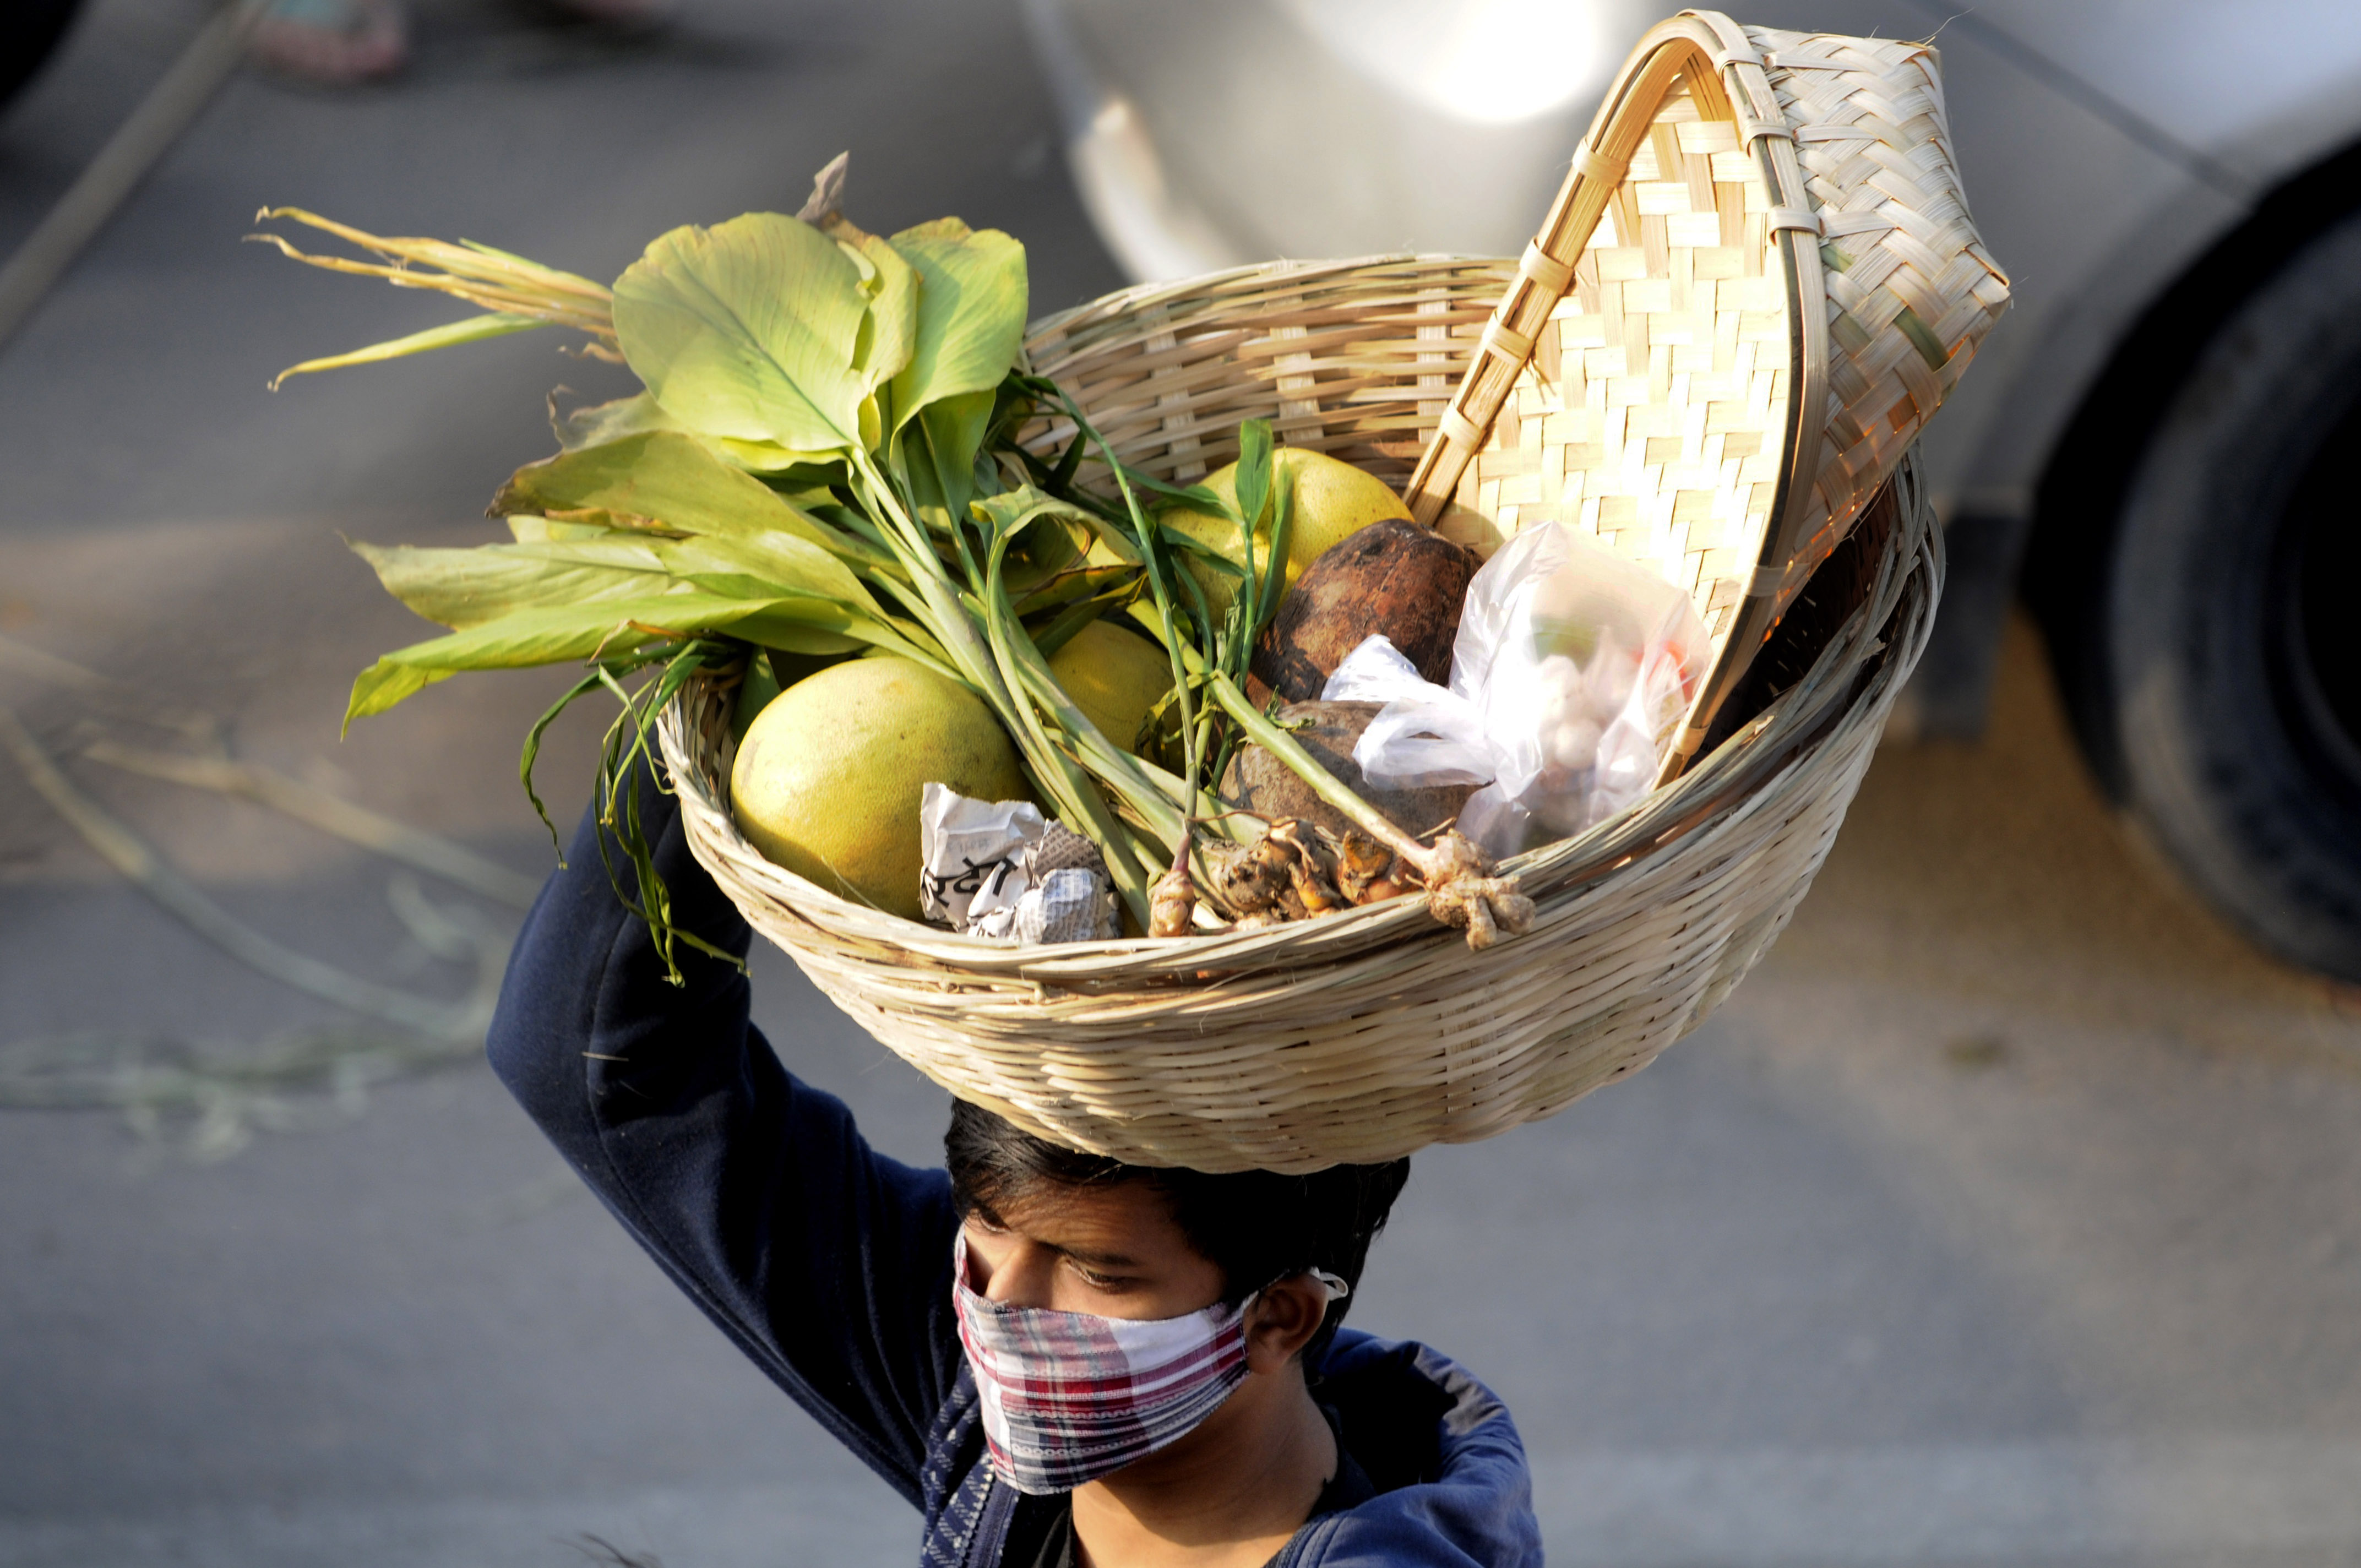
pixel 1000 869
pixel 1571 672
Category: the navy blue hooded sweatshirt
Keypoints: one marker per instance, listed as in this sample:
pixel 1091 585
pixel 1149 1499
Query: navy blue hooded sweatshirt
pixel 830 1265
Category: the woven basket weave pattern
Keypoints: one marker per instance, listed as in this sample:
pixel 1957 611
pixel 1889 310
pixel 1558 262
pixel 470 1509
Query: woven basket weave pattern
pixel 1757 283
pixel 1354 358
pixel 1911 289
pixel 1299 1057
pixel 1651 414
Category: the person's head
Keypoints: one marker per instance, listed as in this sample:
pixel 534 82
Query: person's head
pixel 1048 1226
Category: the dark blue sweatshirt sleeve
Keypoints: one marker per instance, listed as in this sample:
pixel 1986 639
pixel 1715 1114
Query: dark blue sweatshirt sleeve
pixel 827 1263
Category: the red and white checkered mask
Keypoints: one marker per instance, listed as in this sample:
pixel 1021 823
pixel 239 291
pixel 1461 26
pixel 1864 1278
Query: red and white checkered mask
pixel 1068 1398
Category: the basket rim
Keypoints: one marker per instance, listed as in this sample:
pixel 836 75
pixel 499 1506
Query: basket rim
pixel 1137 296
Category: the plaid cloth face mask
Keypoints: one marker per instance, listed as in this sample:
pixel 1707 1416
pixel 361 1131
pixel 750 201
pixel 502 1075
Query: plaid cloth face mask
pixel 1067 1397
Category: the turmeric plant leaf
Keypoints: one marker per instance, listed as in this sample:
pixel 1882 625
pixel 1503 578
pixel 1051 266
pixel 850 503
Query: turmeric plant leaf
pixel 750 329
pixel 970 318
pixel 675 480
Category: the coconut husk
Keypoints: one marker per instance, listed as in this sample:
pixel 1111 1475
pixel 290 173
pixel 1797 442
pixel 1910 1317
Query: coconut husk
pixel 1258 782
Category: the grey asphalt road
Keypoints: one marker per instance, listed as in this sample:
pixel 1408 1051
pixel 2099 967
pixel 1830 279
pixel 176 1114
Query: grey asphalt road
pixel 2008 1215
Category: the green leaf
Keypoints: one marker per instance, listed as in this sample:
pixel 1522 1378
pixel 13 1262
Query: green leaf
pixel 1109 585
pixel 675 480
pixel 750 329
pixel 554 634
pixel 1253 470
pixel 596 424
pixel 531 752
pixel 461 588
pixel 755 690
pixel 1053 564
pixel 1012 509
pixel 746 544
pixel 810 626
pixel 527 528
pixel 971 326
pixel 1273 587
pixel 889 335
pixel 763 566
pixel 385 683
pixel 497 323
pixel 938 452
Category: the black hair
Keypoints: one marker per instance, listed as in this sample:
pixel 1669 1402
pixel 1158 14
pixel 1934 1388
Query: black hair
pixel 1256 1226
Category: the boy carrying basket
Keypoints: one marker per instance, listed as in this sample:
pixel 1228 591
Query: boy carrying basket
pixel 1060 1360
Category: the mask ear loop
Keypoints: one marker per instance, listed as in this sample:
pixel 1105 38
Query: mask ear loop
pixel 1333 1284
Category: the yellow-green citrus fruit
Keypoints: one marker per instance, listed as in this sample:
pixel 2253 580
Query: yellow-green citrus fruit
pixel 828 778
pixel 1115 676
pixel 1331 501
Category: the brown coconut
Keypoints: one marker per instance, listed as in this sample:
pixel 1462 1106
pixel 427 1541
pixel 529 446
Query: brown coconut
pixel 1258 782
pixel 1392 577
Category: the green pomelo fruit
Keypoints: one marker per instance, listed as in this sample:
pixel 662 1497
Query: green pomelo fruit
pixel 1116 677
pixel 828 779
pixel 1331 502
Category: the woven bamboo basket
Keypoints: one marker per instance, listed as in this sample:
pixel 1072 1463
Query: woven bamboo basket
pixel 1756 285
pixel 1366 1035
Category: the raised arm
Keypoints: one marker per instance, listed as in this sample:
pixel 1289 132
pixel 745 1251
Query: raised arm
pixel 828 1264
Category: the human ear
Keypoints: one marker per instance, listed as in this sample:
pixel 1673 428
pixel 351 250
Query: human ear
pixel 1285 1317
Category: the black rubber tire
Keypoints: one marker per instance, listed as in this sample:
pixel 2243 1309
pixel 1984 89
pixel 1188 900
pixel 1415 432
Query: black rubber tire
pixel 2231 636
pixel 30 31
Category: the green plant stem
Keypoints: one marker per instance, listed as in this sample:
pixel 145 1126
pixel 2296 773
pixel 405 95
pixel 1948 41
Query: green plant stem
pixel 1260 728
pixel 1154 558
pixel 1124 773
pixel 1121 852
pixel 988 658
pixel 939 603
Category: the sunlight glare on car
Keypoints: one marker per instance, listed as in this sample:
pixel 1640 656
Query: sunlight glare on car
pixel 1482 61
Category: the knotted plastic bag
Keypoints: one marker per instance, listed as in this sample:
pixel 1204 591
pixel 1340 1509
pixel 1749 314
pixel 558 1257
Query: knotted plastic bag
pixel 1000 869
pixel 1570 676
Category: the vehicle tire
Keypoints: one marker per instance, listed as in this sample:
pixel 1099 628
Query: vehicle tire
pixel 30 31
pixel 2231 647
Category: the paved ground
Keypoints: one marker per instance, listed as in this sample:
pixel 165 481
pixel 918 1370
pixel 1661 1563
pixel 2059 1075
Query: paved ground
pixel 2006 1216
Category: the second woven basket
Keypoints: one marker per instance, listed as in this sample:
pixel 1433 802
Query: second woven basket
pixel 1758 282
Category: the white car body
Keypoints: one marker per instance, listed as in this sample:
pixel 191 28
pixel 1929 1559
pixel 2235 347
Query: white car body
pixel 2106 147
